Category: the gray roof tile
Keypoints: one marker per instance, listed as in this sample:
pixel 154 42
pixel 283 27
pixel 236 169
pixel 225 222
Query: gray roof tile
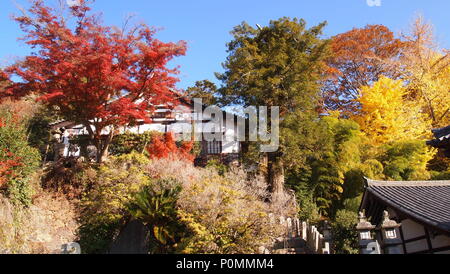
pixel 426 201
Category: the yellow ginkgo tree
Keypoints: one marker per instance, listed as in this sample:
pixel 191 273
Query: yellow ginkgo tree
pixel 386 115
pixel 426 69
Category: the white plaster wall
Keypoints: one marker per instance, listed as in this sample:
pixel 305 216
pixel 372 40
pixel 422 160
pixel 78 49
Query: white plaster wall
pixel 184 117
pixel 180 128
pixel 229 144
pixel 183 113
pixel 151 127
pixel 440 241
pixel 412 229
pixel 417 246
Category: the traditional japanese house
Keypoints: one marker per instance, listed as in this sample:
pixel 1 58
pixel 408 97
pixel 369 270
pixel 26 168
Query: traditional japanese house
pixel 417 214
pixel 165 119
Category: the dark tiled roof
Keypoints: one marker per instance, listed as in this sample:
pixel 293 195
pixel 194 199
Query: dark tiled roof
pixel 442 137
pixel 425 201
pixel 442 132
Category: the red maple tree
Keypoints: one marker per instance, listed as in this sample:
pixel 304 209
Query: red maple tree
pixel 165 147
pixel 101 77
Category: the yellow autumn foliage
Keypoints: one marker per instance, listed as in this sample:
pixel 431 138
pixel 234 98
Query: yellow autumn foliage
pixel 426 69
pixel 386 115
pixel 430 88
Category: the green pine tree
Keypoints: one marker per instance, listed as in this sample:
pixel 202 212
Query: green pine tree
pixel 279 65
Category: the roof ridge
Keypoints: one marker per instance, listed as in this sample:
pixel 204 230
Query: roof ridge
pixel 406 183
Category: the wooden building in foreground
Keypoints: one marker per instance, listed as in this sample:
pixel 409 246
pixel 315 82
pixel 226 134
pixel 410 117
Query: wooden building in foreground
pixel 418 214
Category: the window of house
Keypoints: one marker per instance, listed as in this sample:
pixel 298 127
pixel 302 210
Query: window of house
pixel 214 147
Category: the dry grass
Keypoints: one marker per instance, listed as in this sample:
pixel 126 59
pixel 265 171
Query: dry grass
pixel 231 212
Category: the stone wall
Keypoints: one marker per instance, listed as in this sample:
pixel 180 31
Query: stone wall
pixel 133 239
pixel 41 229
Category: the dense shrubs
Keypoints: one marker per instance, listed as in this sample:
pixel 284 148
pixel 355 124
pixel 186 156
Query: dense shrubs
pixel 345 235
pixel 229 213
pixel 131 142
pixel 199 210
pixel 156 206
pixel 68 176
pixel 165 147
pixel 104 204
pixel 323 180
pixel 18 160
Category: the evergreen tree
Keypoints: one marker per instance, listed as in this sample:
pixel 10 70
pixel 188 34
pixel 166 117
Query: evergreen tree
pixel 205 90
pixel 279 65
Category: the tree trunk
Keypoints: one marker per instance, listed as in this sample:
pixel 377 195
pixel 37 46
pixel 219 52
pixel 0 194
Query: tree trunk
pixel 101 145
pixel 102 149
pixel 102 153
pixel 276 173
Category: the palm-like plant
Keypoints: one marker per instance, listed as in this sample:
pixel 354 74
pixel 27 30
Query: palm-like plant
pixel 156 207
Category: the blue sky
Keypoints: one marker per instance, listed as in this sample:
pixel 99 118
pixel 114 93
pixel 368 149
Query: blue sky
pixel 205 25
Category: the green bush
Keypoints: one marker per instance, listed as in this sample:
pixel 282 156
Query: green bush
pixel 335 165
pixel 14 145
pixel 104 204
pixel 217 165
pixel 131 142
pixel 406 160
pixel 156 206
pixel 345 236
pixel 373 169
pixel 353 183
pixel 39 131
pixel 445 175
pixel 308 209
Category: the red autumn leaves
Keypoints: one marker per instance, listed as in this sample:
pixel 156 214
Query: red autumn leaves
pixel 7 167
pixel 7 164
pixel 95 75
pixel 165 147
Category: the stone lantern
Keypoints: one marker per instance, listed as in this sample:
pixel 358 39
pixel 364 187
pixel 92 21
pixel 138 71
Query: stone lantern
pixel 391 236
pixel 326 231
pixel 367 245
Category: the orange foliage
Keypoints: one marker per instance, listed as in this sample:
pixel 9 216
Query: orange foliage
pixel 360 57
pixel 165 147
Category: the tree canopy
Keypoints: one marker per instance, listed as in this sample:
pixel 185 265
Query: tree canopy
pixel 385 115
pixel 360 56
pixel 99 76
pixel 278 65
